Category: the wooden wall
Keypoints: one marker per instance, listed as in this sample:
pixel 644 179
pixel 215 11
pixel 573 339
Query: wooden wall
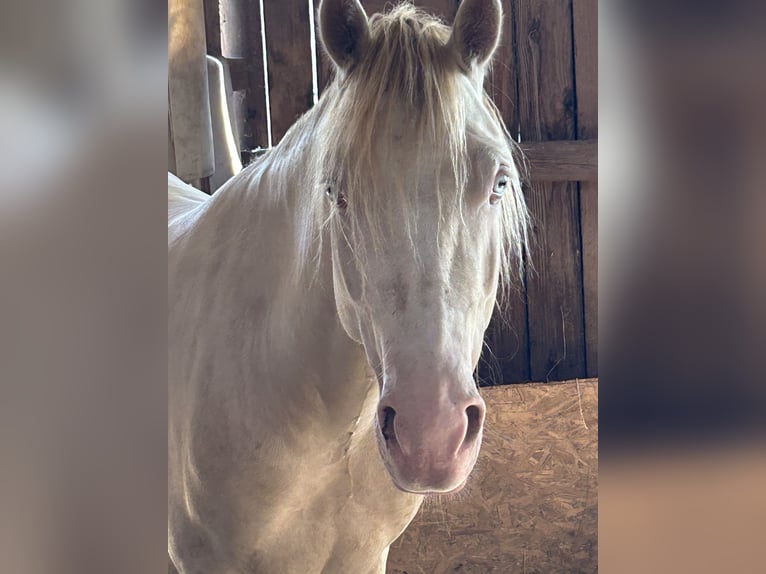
pixel 544 81
pixel 550 332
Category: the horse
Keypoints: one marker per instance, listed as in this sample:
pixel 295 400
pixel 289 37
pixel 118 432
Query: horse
pixel 327 305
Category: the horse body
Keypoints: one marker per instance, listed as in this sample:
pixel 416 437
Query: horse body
pixel 320 381
pixel 263 451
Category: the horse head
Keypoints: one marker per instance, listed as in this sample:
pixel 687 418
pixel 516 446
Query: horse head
pixel 426 216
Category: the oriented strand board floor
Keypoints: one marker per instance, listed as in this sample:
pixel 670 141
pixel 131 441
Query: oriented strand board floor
pixel 530 505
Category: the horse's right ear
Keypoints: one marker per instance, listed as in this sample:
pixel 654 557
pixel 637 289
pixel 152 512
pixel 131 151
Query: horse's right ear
pixel 344 30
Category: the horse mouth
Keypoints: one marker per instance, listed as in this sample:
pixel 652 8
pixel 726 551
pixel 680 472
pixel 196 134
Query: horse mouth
pixel 416 477
pixel 440 485
pixel 455 490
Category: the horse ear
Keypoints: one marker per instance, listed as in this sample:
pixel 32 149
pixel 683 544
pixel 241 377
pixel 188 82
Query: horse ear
pixel 476 31
pixel 344 30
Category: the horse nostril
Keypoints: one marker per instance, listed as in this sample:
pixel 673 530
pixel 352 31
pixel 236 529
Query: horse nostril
pixel 474 423
pixel 387 425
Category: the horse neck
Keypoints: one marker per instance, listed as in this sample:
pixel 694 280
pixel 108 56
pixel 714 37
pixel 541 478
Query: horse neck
pixel 305 357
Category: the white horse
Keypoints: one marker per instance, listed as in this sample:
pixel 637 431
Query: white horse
pixel 328 306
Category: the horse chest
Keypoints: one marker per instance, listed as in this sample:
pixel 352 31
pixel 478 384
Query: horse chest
pixel 336 516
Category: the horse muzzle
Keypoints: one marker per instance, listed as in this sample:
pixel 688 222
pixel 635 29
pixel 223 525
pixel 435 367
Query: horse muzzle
pixel 430 448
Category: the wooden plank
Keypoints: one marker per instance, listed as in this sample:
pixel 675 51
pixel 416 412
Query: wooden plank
pixel 324 68
pixel 567 160
pixel 212 27
pixel 213 24
pixel 248 85
pixel 233 16
pixel 239 117
pixel 502 83
pixel 585 14
pixel 288 53
pixel 324 64
pixel 546 112
pixel 505 359
pixel 531 504
pixel 375 6
pixel 589 223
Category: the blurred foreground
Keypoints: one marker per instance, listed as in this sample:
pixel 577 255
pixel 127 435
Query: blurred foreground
pixel 683 287
pixel 82 287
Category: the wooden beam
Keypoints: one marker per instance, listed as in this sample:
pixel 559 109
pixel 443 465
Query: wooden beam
pixel 567 160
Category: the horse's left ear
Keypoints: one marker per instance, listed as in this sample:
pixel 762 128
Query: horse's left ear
pixel 344 30
pixel 476 31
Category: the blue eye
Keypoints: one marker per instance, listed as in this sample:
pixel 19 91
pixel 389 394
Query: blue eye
pixel 501 184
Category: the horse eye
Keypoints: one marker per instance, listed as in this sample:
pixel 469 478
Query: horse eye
pixel 339 198
pixel 501 184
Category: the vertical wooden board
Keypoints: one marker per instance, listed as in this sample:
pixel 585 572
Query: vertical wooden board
pixel 212 27
pixel 585 25
pixel 247 80
pixel 239 116
pixel 501 82
pixel 375 6
pixel 554 286
pixel 505 359
pixel 233 36
pixel 288 53
pixel 546 112
pixel 589 223
pixel 585 15
pixel 325 69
